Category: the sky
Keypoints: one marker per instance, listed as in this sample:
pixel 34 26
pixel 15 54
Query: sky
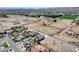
pixel 39 3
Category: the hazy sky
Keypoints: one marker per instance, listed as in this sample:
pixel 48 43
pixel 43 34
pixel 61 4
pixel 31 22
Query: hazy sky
pixel 39 3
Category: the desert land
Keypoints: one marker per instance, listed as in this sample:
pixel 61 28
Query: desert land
pixel 22 33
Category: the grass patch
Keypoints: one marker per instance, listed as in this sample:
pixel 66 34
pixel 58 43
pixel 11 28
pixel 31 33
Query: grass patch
pixel 69 17
pixel 6 45
pixel 14 40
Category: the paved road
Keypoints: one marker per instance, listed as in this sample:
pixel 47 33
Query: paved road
pixel 1 40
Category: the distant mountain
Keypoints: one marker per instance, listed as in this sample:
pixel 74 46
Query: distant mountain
pixel 64 10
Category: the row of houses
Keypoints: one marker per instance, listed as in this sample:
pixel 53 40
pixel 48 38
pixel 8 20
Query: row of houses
pixel 22 34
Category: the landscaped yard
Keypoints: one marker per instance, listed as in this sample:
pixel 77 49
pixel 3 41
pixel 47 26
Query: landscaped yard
pixel 6 45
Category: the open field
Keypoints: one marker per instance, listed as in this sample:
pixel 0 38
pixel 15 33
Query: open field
pixel 46 30
pixel 58 37
pixel 39 30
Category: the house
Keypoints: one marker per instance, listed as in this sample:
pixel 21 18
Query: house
pixel 39 37
pixel 26 43
pixel 26 34
pixel 2 34
pixel 32 34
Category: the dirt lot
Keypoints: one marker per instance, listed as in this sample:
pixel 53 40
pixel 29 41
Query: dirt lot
pixel 68 39
pixel 61 24
pixel 74 28
pixel 58 45
pixel 12 20
pixel 44 29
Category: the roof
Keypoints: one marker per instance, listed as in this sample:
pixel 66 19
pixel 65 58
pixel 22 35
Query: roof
pixel 40 37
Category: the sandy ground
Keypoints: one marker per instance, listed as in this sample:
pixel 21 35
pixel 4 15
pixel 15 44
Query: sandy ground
pixel 58 45
pixel 58 42
pixel 61 24
pixel 12 20
pixel 75 28
pixel 44 29
pixel 67 38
